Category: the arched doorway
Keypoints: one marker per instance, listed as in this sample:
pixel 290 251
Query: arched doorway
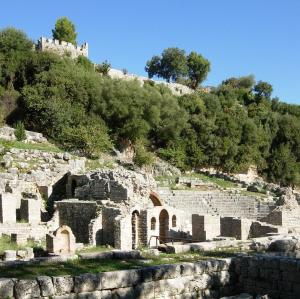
pixel 163 225
pixel 65 241
pixel 135 229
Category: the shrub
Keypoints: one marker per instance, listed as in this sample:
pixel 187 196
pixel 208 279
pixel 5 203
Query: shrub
pixel 20 131
pixel 142 157
pixel 103 68
pixel 90 139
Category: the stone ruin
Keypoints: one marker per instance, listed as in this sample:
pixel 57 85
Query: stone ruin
pixel 118 208
pixel 61 242
pixel 126 209
pixel 62 47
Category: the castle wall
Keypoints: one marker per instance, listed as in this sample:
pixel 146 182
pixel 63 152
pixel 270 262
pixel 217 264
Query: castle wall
pixel 62 47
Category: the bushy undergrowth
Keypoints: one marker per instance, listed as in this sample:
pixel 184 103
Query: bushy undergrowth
pixel 236 125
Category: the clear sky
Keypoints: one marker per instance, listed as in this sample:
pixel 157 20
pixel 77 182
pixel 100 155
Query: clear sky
pixel 239 37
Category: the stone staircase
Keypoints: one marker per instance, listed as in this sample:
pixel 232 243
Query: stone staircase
pixel 216 203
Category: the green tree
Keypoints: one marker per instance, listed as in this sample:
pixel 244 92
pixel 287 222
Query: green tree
pixel 198 68
pixel 170 66
pixel 20 131
pixel 65 30
pixel 263 89
pixel 103 68
pixel 15 47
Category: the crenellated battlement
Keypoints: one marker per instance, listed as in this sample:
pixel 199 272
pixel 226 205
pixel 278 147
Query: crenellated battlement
pixel 62 47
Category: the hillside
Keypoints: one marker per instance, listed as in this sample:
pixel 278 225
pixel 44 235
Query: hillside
pixel 236 125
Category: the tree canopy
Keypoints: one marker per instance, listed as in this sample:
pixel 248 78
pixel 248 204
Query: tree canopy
pixel 64 30
pixel 175 65
pixel 236 125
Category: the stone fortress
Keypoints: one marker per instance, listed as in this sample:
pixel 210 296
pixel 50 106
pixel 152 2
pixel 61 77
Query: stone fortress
pixel 62 47
pixel 65 48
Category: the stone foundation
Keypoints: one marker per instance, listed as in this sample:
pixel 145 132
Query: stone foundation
pixel 257 275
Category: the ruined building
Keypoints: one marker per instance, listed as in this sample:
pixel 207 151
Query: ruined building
pixel 62 47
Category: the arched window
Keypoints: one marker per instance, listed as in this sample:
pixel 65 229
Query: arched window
pixel 174 221
pixel 153 223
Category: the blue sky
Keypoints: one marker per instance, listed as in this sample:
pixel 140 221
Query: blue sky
pixel 259 37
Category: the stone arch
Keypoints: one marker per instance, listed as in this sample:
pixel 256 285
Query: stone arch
pixel 135 219
pixel 155 199
pixel 153 223
pixel 174 221
pixel 163 225
pixel 62 241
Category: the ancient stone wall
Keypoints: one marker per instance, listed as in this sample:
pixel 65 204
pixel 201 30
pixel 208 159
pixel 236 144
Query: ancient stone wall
pixel 205 227
pixel 235 227
pixel 62 47
pixel 276 277
pixel 77 215
pixel 204 279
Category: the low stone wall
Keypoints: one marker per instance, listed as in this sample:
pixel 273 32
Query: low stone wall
pixel 204 279
pixel 276 277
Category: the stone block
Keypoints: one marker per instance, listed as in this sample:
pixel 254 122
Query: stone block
pixel 10 255
pixel 19 239
pixel 90 295
pixel 87 283
pixel 63 285
pixel 27 289
pixel 204 281
pixel 166 271
pixel 46 286
pixel 6 288
pixel 187 269
pixel 8 206
pixel 124 293
pixel 126 254
pixel 97 255
pixel 120 279
pixel 145 290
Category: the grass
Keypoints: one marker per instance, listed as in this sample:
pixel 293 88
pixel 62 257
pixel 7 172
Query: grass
pixel 93 164
pixel 90 249
pixel 77 267
pixel 45 147
pixel 6 244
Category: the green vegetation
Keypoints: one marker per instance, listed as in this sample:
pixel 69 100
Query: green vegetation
pixel 20 131
pixel 171 181
pixel 236 125
pixel 45 147
pixel 76 267
pixel 65 30
pixel 6 244
pixel 174 65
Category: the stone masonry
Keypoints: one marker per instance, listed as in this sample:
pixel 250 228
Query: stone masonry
pixel 272 277
pixel 62 47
